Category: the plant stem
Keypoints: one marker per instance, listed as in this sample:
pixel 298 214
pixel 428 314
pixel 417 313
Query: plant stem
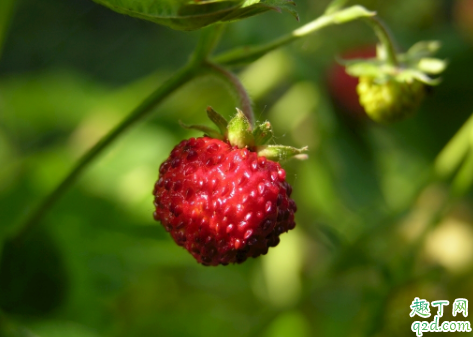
pixel 208 40
pixel 144 109
pixel 386 39
pixel 247 54
pixel 236 87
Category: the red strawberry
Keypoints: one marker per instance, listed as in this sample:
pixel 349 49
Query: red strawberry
pixel 223 203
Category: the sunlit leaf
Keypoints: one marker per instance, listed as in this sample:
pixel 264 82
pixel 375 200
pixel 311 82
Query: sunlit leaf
pixel 191 15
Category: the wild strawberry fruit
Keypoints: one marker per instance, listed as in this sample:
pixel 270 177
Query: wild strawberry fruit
pixel 391 89
pixel 391 100
pixel 224 202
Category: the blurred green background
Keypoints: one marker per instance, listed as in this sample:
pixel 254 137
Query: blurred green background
pixel 369 236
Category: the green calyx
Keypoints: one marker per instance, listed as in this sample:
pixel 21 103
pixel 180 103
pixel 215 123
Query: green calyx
pixel 240 133
pixel 391 93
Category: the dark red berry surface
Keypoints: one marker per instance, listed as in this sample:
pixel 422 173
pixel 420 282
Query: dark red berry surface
pixel 222 204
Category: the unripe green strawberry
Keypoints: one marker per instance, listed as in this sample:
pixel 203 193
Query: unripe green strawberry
pixel 392 86
pixel 390 100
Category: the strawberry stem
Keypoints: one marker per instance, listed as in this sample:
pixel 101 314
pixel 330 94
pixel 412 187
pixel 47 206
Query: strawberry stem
pixel 386 39
pixel 248 54
pixel 208 40
pixel 236 88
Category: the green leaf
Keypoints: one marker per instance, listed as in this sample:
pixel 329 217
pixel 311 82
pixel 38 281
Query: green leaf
pixel 194 14
pixel 253 7
pixel 176 14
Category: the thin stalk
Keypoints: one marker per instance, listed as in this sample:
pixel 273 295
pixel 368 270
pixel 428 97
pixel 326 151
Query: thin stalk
pixel 236 87
pixel 247 54
pixel 180 78
pixel 386 39
pixel 208 40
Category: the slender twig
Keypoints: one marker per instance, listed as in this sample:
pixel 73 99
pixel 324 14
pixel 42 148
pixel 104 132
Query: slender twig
pixel 235 86
pixel 208 40
pixel 247 54
pixel 386 39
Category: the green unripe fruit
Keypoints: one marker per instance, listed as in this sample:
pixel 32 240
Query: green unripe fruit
pixel 391 100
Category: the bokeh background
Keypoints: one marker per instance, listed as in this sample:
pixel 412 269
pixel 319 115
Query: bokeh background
pixel 376 227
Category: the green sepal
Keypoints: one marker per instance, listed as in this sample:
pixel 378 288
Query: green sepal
pixel 218 120
pixel 263 133
pixel 409 75
pixel 423 49
pixel 239 132
pixel 281 153
pixel 366 67
pixel 431 65
pixel 416 63
pixel 205 129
